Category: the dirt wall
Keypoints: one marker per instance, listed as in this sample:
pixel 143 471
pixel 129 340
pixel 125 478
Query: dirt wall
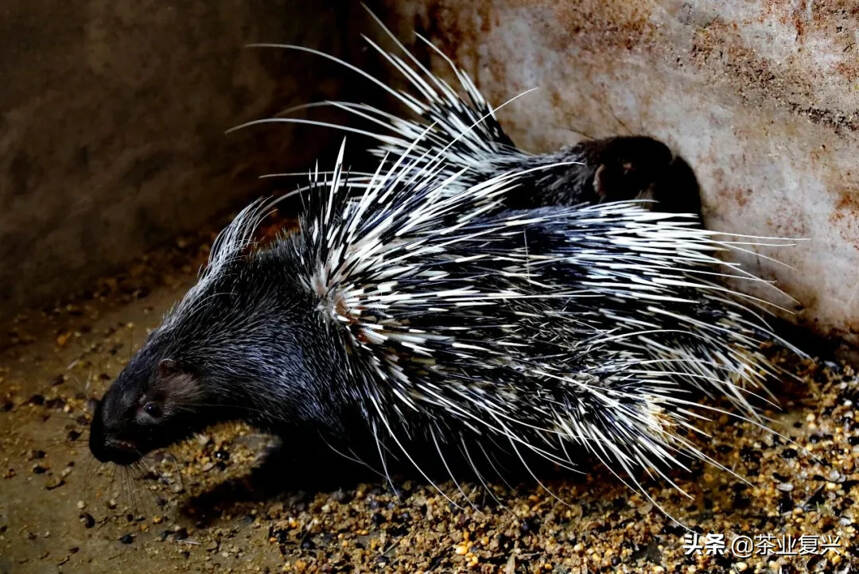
pixel 112 119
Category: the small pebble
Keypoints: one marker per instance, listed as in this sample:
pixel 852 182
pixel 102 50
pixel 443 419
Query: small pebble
pixel 87 520
pixel 56 483
pixel 789 453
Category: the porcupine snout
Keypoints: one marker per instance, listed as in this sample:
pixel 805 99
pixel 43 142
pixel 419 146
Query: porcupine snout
pixel 640 167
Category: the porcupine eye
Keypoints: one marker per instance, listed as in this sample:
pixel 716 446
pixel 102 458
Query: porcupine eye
pixel 152 409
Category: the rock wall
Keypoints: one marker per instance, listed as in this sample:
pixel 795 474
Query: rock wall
pixel 760 96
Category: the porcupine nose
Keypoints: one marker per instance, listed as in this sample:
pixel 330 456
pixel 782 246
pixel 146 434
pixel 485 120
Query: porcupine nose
pixel 106 449
pixel 640 167
pixel 97 438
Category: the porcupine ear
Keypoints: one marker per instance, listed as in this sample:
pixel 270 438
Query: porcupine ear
pixel 173 384
pixel 640 167
pixel 167 368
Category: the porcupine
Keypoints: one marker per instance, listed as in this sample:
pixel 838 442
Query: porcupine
pixel 460 301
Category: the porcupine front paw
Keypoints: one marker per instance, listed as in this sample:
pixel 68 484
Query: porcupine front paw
pixel 640 167
pixel 307 464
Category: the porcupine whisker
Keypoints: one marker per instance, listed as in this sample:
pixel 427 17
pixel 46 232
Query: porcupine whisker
pixel 360 110
pixel 384 464
pixel 129 494
pixel 143 499
pixel 497 474
pixel 492 464
pixel 541 452
pixel 442 85
pixel 402 97
pixel 317 123
pixel 478 474
pixel 734 246
pixel 530 471
pixel 360 174
pixel 405 451
pixel 638 487
pixel 194 409
pixel 127 479
pixel 302 107
pixel 448 470
pixel 389 140
pixel 711 379
pixel 114 480
pixel 354 458
pixel 734 415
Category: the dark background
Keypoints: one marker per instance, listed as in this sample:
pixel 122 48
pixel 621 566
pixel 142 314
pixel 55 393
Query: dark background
pixel 112 119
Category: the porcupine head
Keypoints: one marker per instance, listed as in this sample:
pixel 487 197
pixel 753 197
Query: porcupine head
pixel 243 344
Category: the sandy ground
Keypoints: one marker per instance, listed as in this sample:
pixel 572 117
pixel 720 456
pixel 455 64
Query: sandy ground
pixel 198 507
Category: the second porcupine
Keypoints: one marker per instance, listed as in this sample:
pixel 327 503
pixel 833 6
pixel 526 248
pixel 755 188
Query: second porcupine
pixel 444 306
